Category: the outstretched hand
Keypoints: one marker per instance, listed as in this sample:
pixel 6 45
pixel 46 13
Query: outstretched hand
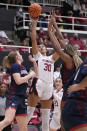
pixel 53 15
pixel 51 22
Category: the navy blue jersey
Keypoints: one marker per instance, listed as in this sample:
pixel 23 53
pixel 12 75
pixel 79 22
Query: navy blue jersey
pixel 74 113
pixel 80 75
pixel 15 89
pixel 66 74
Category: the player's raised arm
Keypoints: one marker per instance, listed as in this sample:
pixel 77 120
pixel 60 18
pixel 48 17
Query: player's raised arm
pixel 33 37
pixel 58 32
pixel 56 45
pixel 53 37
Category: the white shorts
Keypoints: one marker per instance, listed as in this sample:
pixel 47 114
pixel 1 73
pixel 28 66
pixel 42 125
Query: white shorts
pixel 44 89
pixel 55 122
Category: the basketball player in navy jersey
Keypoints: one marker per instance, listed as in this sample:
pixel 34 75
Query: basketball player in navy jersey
pixel 15 99
pixel 42 88
pixel 71 60
pixel 74 114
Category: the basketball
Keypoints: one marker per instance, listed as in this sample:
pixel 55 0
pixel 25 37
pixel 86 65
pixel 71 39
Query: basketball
pixel 35 10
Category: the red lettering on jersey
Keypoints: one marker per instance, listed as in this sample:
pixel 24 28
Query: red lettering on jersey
pixel 47 67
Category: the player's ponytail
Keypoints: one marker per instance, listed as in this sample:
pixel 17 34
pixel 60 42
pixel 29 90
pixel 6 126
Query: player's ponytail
pixel 10 59
pixel 77 60
pixel 6 62
pixel 71 50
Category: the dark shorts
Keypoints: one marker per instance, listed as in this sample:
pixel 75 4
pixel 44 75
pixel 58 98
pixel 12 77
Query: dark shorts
pixel 74 115
pixel 18 103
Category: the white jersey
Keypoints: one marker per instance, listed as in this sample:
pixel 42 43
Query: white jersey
pixel 57 100
pixel 55 122
pixel 45 67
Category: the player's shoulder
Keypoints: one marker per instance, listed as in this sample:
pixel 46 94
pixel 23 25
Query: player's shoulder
pixel 15 66
pixel 50 57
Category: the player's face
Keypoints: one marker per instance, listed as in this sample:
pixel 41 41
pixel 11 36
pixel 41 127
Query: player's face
pixel 43 49
pixel 3 89
pixel 58 84
pixel 19 57
pixel 39 48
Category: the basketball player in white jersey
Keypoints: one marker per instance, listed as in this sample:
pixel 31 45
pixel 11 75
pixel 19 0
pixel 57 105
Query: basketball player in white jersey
pixel 42 87
pixel 57 95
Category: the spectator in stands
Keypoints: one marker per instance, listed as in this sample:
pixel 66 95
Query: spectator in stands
pixel 11 1
pixel 76 7
pixel 43 21
pixel 6 77
pixel 83 5
pixel 82 21
pixel 4 38
pixel 39 41
pixel 3 105
pixel 25 42
pixel 84 53
pixel 26 2
pixel 76 40
pixel 3 34
pixel 58 18
pixel 19 2
pixel 42 34
pixel 19 23
pixel 68 5
pixel 66 38
pixel 70 19
pixel 1 74
pixel 19 16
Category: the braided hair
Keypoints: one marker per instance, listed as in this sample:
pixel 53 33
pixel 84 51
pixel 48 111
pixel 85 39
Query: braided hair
pixel 71 50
